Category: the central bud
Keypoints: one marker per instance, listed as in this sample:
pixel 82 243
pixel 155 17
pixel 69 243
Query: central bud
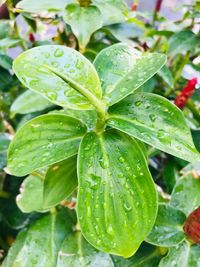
pixel 85 3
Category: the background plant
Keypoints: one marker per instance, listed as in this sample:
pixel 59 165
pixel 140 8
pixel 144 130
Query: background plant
pixel 181 43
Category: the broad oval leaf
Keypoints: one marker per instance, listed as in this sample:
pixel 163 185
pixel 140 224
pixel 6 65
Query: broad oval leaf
pixel 84 21
pixel 168 228
pixel 186 193
pixel 113 11
pixel 56 72
pixel 184 254
pixel 29 102
pixel 43 190
pixel 43 141
pixel 43 5
pixel 76 251
pixel 39 245
pixel 157 122
pixel 117 201
pixel 122 69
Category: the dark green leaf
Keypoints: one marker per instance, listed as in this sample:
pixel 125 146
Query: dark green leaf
pixel 5 61
pixel 156 121
pixel 42 141
pixel 56 72
pixel 168 228
pixel 117 201
pixel 84 21
pixel 123 69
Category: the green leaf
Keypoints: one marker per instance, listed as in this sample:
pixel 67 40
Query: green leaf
pixel 157 122
pixel 4 141
pixel 84 21
pixel 43 5
pixel 117 200
pixel 6 79
pixel 168 228
pixel 5 28
pixel 5 61
pixel 146 256
pixel 113 11
pixel 43 141
pixel 41 191
pixel 122 69
pixel 166 75
pixel 76 251
pixel 182 42
pixel 9 42
pixel 186 193
pixel 183 255
pixel 58 72
pixel 39 245
pixel 28 102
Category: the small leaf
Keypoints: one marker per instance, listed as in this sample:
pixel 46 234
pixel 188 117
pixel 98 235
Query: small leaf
pixel 76 251
pixel 113 11
pixel 117 201
pixel 43 5
pixel 39 245
pixel 122 69
pixel 84 21
pixel 168 228
pixel 56 72
pixel 28 102
pixel 155 121
pixel 5 61
pixel 166 75
pixel 146 256
pixel 183 255
pixel 43 141
pixel 186 193
pixel 41 191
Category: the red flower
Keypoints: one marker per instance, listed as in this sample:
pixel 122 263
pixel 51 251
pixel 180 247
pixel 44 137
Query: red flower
pixel 186 93
pixel 192 226
pixel 31 37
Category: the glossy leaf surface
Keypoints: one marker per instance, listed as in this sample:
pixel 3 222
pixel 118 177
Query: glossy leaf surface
pixel 183 255
pixel 40 244
pixel 113 11
pixel 123 69
pixel 156 121
pixel 43 69
pixel 28 102
pixel 76 251
pixel 84 21
pixel 168 228
pixel 117 200
pixel 43 141
pixel 41 191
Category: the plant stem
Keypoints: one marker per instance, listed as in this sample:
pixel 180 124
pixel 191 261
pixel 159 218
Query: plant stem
pixel 156 10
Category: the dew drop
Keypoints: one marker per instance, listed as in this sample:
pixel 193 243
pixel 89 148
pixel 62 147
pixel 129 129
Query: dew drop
pixel 58 52
pixel 138 103
pixel 127 207
pixel 152 117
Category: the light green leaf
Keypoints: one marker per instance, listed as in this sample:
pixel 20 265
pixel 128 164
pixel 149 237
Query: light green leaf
pixel 84 21
pixel 186 193
pixel 9 42
pixel 156 121
pixel 40 244
pixel 28 102
pixel 168 228
pixel 43 141
pixel 41 191
pixel 183 255
pixel 122 69
pixel 43 5
pixel 58 72
pixel 76 251
pixel 183 41
pixel 117 201
pixel 146 256
pixel 113 11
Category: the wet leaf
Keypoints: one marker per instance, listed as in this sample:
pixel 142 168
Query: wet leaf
pixel 43 141
pixel 84 21
pixel 122 69
pixel 57 73
pixel 157 122
pixel 117 201
pixel 168 228
pixel 28 102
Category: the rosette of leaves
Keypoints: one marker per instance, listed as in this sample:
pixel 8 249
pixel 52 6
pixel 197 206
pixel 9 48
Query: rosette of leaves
pixel 84 16
pixel 105 123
